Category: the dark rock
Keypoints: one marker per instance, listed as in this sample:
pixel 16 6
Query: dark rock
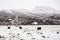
pixel 38 28
pixel 20 27
pixel 57 32
pixel 8 27
pixel 43 36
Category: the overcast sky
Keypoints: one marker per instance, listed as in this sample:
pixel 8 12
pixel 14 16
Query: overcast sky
pixel 28 4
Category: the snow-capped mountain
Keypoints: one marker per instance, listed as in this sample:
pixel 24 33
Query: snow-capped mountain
pixel 42 9
pixel 38 12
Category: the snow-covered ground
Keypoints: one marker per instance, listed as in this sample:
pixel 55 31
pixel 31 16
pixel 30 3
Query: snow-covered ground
pixel 30 32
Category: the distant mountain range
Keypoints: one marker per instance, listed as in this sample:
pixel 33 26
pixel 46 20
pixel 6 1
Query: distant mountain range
pixel 38 12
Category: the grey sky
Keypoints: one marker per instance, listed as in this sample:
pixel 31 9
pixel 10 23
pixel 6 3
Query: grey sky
pixel 28 4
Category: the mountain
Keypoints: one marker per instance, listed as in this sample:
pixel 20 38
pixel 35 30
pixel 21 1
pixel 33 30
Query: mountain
pixel 45 11
pixel 37 14
pixel 42 9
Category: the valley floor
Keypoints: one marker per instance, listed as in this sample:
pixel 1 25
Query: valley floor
pixel 30 32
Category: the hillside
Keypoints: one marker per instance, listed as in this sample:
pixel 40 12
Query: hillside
pixel 41 15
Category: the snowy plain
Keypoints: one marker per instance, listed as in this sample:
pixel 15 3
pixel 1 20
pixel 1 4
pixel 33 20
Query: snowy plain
pixel 30 32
